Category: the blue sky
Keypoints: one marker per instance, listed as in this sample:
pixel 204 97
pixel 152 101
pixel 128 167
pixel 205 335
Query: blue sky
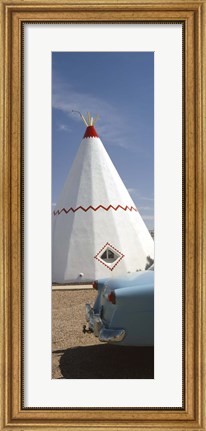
pixel 120 88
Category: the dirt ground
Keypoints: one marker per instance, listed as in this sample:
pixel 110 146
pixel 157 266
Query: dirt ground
pixel 81 356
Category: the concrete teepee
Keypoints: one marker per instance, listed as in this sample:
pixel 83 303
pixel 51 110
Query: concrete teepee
pixel 97 229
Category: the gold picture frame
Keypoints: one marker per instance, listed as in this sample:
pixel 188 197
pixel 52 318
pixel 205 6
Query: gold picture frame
pixel 13 14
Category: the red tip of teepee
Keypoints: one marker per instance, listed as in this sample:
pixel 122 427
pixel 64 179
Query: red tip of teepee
pixel 90 132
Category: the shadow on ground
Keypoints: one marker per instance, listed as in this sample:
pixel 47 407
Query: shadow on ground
pixel 106 362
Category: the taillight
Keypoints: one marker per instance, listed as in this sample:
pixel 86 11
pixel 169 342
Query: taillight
pixel 95 285
pixel 112 297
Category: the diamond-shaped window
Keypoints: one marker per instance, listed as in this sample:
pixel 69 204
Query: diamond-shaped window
pixel 109 256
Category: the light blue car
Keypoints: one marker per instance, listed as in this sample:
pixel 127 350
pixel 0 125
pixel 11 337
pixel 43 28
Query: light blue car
pixel 123 312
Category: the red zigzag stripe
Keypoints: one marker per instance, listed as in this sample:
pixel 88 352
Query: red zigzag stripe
pixel 58 212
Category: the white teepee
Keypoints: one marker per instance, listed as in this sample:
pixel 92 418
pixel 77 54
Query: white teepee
pixel 97 229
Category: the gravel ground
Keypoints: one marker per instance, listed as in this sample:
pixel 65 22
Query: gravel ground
pixel 76 355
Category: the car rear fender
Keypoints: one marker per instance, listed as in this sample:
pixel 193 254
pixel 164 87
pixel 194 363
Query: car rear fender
pixel 98 301
pixel 142 297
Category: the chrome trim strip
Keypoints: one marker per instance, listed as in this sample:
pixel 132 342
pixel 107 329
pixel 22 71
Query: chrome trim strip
pixel 111 335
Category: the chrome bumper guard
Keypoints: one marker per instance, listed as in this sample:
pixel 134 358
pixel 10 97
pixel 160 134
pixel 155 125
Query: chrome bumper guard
pixel 96 325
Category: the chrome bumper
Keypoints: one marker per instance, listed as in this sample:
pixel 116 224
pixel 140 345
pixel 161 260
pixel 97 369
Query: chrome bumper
pixel 96 325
